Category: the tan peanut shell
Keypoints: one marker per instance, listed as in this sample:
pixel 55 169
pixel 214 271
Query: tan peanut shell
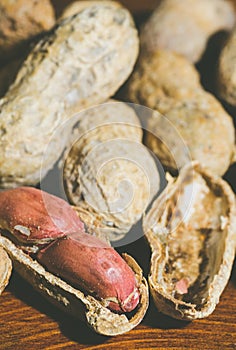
pixel 22 20
pixel 107 171
pixel 82 62
pixel 163 77
pixel 226 73
pixel 78 6
pixel 5 269
pixel 72 300
pixel 169 84
pixel 185 26
pixel 191 229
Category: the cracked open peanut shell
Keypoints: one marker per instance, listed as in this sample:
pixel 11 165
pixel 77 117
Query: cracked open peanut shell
pixel 191 230
pixel 92 283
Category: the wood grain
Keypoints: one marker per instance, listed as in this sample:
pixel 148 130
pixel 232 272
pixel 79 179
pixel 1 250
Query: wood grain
pixel 29 322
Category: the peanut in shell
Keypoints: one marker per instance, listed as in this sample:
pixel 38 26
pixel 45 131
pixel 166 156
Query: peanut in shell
pixel 108 172
pixel 72 300
pixel 48 228
pixel 85 288
pixel 186 26
pixel 82 62
pixel 169 84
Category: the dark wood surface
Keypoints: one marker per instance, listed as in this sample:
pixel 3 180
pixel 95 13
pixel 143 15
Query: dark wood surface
pixel 27 321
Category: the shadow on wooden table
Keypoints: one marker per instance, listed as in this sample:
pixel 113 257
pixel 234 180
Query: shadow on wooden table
pixel 78 331
pixel 70 327
pixel 75 329
pixel 155 319
pixel 233 275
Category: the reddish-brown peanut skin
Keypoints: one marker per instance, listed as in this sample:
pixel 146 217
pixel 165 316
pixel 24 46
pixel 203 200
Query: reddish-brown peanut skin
pixel 86 262
pixel 44 215
pixel 36 217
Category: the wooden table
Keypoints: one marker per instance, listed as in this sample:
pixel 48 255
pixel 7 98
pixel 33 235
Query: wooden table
pixel 29 322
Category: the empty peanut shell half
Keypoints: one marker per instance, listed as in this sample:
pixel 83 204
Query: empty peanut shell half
pixel 108 171
pixel 191 229
pixel 5 269
pixel 185 26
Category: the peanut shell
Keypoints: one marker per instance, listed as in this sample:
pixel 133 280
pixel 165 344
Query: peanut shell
pixel 107 171
pixel 163 77
pixel 191 229
pixel 186 26
pixel 226 73
pixel 5 269
pixel 72 300
pixel 92 276
pixel 22 20
pixel 169 84
pixel 80 63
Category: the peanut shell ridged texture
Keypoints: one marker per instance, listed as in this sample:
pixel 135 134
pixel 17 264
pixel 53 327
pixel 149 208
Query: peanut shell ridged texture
pixel 72 300
pixel 191 229
pixel 5 269
pixel 20 21
pixel 163 76
pixel 186 26
pixel 108 172
pixel 78 6
pixel 227 71
pixel 169 84
pixel 81 63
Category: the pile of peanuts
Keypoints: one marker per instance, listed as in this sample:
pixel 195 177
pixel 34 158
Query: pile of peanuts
pixel 57 78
